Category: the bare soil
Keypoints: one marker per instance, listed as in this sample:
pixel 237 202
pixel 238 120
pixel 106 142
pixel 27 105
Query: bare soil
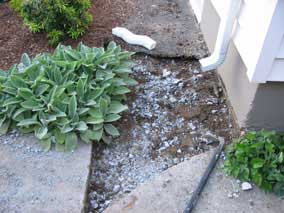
pixel 16 39
pixel 174 113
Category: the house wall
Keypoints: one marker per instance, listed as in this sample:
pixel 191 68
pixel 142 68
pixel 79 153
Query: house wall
pixel 277 71
pixel 256 106
pixel 258 35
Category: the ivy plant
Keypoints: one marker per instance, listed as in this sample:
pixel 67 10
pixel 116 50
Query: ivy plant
pixel 70 94
pixel 258 157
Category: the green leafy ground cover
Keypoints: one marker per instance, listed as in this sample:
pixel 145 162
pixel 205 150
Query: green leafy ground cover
pixel 70 94
pixel 258 157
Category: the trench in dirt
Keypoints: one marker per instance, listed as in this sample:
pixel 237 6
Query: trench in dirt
pixel 175 112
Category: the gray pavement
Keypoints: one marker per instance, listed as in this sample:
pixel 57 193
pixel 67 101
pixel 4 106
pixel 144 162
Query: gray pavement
pixel 170 191
pixel 32 181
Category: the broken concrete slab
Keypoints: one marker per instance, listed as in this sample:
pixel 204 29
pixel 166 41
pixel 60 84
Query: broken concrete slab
pixel 171 190
pixel 167 192
pixel 172 24
pixel 34 181
pixel 224 194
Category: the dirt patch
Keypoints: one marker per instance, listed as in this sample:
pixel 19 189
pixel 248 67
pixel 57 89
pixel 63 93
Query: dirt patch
pixel 174 114
pixel 171 23
pixel 16 39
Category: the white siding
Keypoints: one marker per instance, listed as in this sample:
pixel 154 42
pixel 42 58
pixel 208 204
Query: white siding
pixel 280 53
pixel 197 6
pixel 253 23
pixel 277 71
pixel 257 35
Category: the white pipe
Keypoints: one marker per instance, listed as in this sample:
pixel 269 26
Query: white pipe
pixel 134 39
pixel 223 38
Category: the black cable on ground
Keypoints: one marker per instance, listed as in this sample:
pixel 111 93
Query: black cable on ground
pixel 195 196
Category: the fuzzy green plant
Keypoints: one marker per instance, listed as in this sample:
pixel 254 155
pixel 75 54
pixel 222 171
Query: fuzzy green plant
pixel 258 157
pixel 70 94
pixel 58 18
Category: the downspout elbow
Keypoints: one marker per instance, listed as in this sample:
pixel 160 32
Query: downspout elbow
pixel 212 62
pixel 223 38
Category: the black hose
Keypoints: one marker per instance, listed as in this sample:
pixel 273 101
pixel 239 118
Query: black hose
pixel 195 196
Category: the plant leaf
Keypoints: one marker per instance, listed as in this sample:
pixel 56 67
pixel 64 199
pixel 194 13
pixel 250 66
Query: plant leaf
pixel 112 130
pixel 121 90
pixel 59 147
pixel 112 117
pixel 116 107
pixel 59 137
pixel 41 132
pixel 71 142
pixel 46 144
pixel 31 104
pixel 92 120
pixel 82 126
pixel 26 60
pixel 25 93
pixel 72 106
pixel 28 122
pixel 5 127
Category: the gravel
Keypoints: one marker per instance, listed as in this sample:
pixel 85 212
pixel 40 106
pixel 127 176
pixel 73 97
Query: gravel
pixel 170 119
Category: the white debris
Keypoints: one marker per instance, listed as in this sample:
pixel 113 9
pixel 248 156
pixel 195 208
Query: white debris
pixel 166 73
pixel 173 99
pixel 246 186
pixel 230 195
pixel 134 39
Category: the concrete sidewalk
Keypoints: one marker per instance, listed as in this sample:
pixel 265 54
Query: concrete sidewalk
pixel 170 191
pixel 172 24
pixel 32 181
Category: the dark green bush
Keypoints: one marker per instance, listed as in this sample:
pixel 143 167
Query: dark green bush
pixel 258 157
pixel 58 18
pixel 16 5
pixel 71 93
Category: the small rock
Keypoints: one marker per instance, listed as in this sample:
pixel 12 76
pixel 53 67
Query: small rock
pixel 235 195
pixel 196 72
pixel 166 73
pixel 230 195
pixel 173 99
pixel 176 160
pixel 116 188
pixel 94 204
pixel 246 186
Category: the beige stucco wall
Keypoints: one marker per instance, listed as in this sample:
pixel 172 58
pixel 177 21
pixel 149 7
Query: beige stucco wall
pixel 255 106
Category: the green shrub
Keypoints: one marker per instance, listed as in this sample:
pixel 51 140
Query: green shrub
pixel 258 157
pixel 59 18
pixel 16 5
pixel 68 94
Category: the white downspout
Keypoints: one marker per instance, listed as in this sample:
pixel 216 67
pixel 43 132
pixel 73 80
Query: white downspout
pixel 223 38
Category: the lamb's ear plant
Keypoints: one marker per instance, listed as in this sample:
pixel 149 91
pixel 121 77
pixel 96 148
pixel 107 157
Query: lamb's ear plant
pixel 70 94
pixel 258 157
